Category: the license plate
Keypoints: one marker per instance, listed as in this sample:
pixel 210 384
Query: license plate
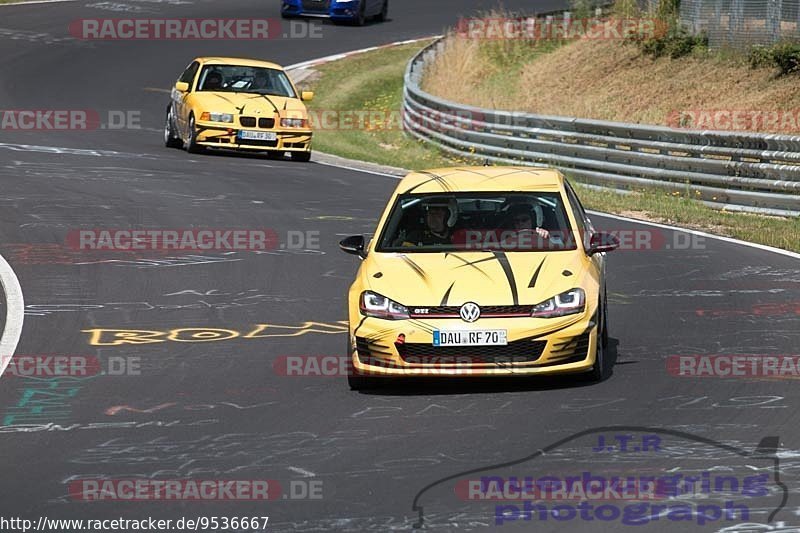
pixel 258 135
pixel 480 337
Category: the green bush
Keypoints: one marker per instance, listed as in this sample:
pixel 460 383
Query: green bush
pixel 669 9
pixel 672 39
pixel 760 57
pixel 676 42
pixel 626 9
pixel 581 9
pixel 785 56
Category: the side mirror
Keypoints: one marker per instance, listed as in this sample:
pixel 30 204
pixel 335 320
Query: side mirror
pixel 602 242
pixel 182 86
pixel 306 96
pixel 353 245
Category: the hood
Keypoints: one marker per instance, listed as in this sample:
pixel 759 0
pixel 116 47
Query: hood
pixel 250 104
pixel 486 278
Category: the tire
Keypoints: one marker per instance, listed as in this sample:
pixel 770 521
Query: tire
pixel 301 157
pixel 357 380
pixel 361 19
pixel 605 319
pixel 384 14
pixel 191 144
pixel 170 139
pixel 598 370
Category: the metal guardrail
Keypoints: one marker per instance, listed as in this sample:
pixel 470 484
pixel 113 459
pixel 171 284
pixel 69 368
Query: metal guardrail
pixel 744 172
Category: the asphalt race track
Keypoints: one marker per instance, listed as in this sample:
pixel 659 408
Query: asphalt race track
pixel 214 405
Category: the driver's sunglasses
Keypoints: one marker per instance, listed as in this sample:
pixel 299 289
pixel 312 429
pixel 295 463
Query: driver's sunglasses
pixel 522 218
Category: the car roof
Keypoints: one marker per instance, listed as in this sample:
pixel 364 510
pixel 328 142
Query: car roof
pixel 481 179
pixel 238 61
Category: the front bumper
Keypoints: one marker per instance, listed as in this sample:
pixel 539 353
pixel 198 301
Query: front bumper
pixel 535 346
pixel 340 12
pixel 288 140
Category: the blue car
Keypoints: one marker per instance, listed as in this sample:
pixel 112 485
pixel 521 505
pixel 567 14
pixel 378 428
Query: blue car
pixel 353 11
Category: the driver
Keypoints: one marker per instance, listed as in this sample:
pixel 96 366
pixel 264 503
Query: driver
pixel 260 81
pixel 213 81
pixel 440 217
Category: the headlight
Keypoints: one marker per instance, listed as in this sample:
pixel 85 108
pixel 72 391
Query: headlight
pixel 566 303
pixel 294 122
pixel 216 117
pixel 377 306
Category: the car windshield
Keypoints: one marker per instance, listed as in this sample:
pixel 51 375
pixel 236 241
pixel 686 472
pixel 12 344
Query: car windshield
pixel 240 79
pixel 522 222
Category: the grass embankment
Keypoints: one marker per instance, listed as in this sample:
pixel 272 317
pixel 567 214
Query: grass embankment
pixel 371 84
pixel 374 82
pixel 610 80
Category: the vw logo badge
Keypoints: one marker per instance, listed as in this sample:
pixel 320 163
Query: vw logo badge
pixel 470 312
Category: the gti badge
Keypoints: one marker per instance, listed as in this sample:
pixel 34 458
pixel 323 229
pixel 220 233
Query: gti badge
pixel 470 312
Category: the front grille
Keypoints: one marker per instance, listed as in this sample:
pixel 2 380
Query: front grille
pixel 316 6
pixel 521 351
pixel 487 311
pixel 250 122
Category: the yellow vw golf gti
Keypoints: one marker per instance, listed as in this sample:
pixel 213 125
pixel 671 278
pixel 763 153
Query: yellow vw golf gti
pixel 482 271
pixel 238 104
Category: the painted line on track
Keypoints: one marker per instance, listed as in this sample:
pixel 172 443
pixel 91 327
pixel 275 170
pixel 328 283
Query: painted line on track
pixel 37 2
pixel 364 170
pixel 15 313
pixel 336 57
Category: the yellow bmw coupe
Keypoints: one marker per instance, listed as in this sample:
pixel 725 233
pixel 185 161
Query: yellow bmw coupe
pixel 479 271
pixel 238 104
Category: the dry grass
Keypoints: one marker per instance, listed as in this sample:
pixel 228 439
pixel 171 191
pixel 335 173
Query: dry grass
pixel 607 80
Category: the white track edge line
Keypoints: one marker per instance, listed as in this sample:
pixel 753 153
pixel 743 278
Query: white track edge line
pixel 32 2
pixel 15 314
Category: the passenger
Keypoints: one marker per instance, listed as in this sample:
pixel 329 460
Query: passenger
pixel 522 219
